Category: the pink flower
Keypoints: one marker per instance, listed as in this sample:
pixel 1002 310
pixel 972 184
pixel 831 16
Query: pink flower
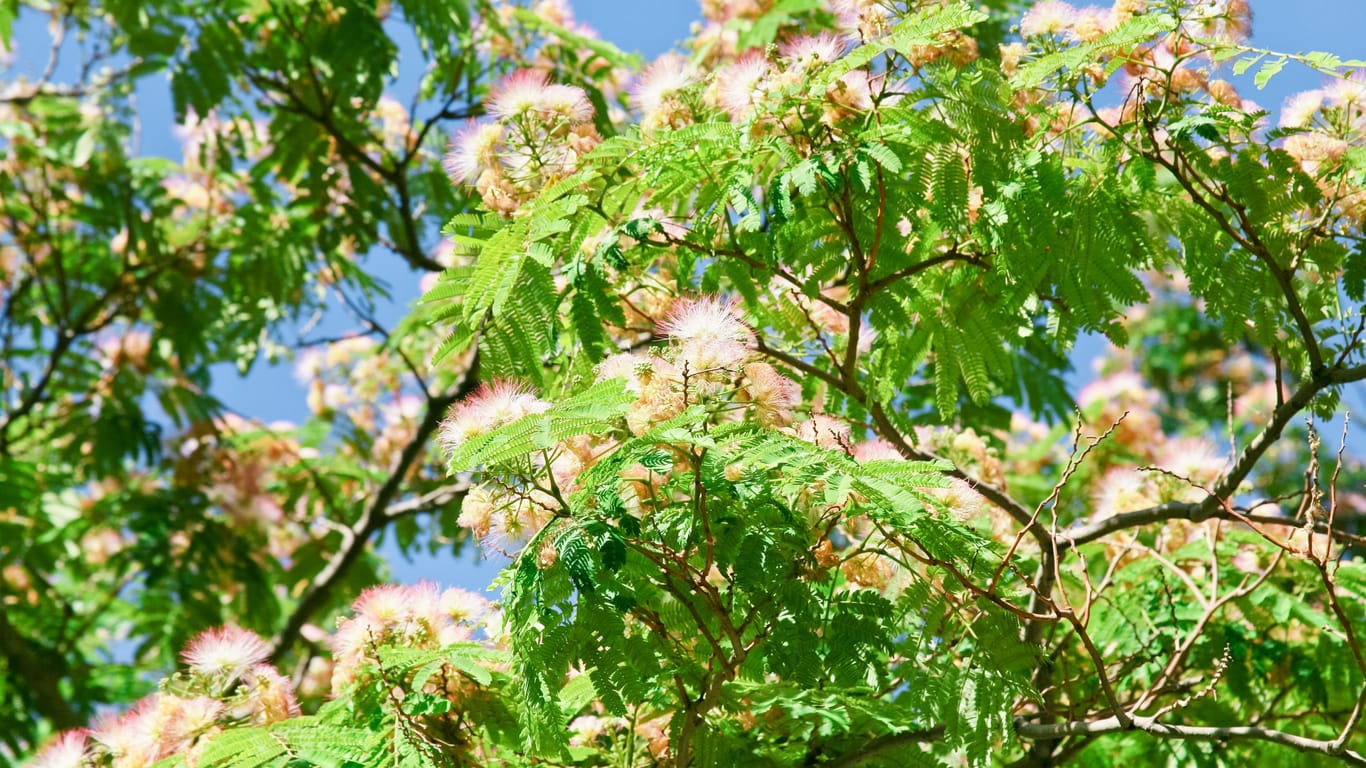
pixel 567 101
pixel 737 86
pixel 1299 110
pixel 270 696
pixel 1049 17
pixel 772 394
pixel 665 76
pixel 131 737
pixel 873 450
pixel 1122 489
pixel 709 333
pixel 491 406
pixel 463 605
pixel 225 650
pixel 68 750
pixel 473 149
pixel 517 93
pixel 825 432
pixel 807 51
pixel 530 91
pixel 179 722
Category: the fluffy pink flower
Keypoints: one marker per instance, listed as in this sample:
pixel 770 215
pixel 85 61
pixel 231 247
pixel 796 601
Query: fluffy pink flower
pixel 772 394
pixel 463 605
pixel 179 721
pixel 388 613
pixel 1299 109
pixel 530 91
pixel 387 605
pixel 1123 489
pixel 131 738
pixel 1194 463
pixel 567 101
pixel 1049 17
pixel 491 406
pixel 270 697
pixel 1092 23
pixel 825 431
pixel 873 450
pixel 709 332
pixel 68 750
pixel 853 91
pixel 665 76
pixel 225 650
pixel 807 51
pixel 473 149
pixel 737 86
pixel 517 93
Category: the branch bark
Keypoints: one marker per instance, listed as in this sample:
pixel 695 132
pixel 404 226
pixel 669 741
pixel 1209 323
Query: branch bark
pixel 378 514
pixel 1212 505
pixel 1186 732
pixel 40 672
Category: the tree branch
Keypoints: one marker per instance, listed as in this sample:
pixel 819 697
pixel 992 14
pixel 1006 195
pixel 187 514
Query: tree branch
pixel 39 672
pixel 379 513
pixel 1185 732
pixel 1212 505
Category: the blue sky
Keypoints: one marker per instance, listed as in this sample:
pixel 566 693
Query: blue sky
pixel 652 27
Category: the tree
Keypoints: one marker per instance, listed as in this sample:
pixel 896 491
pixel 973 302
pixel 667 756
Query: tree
pixel 757 370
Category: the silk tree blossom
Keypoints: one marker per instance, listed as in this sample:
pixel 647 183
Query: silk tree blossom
pixel 408 615
pixel 656 383
pixel 849 96
pixel 540 131
pixel 270 696
pixel 181 721
pixel 512 525
pixel 807 52
pixel 1193 463
pixel 873 450
pixel 225 651
pixel 130 738
pixel 68 750
pixel 463 606
pixel 737 88
pixel 825 432
pixel 530 91
pixel 709 334
pixel 1228 21
pixel 504 520
pixel 1123 489
pixel 489 407
pixel 1300 109
pixel 958 499
pixel 1050 17
pixel 862 19
pixel 772 395
pixel 657 93
pixel 473 150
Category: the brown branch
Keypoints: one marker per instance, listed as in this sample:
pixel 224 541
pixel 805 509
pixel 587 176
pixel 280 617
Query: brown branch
pixel 1185 732
pixel 1212 505
pixel 39 672
pixel 381 511
pixel 878 747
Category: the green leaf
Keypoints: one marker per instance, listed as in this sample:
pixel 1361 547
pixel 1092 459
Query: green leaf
pixel 1268 70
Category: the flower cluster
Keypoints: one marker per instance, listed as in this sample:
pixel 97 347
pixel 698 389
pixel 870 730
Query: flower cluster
pixel 227 682
pixel 413 616
pixel 1324 124
pixel 539 132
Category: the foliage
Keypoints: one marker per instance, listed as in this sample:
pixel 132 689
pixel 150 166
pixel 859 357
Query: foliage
pixel 756 369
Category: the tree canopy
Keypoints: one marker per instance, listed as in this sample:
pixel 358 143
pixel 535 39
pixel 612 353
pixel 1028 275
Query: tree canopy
pixel 755 360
